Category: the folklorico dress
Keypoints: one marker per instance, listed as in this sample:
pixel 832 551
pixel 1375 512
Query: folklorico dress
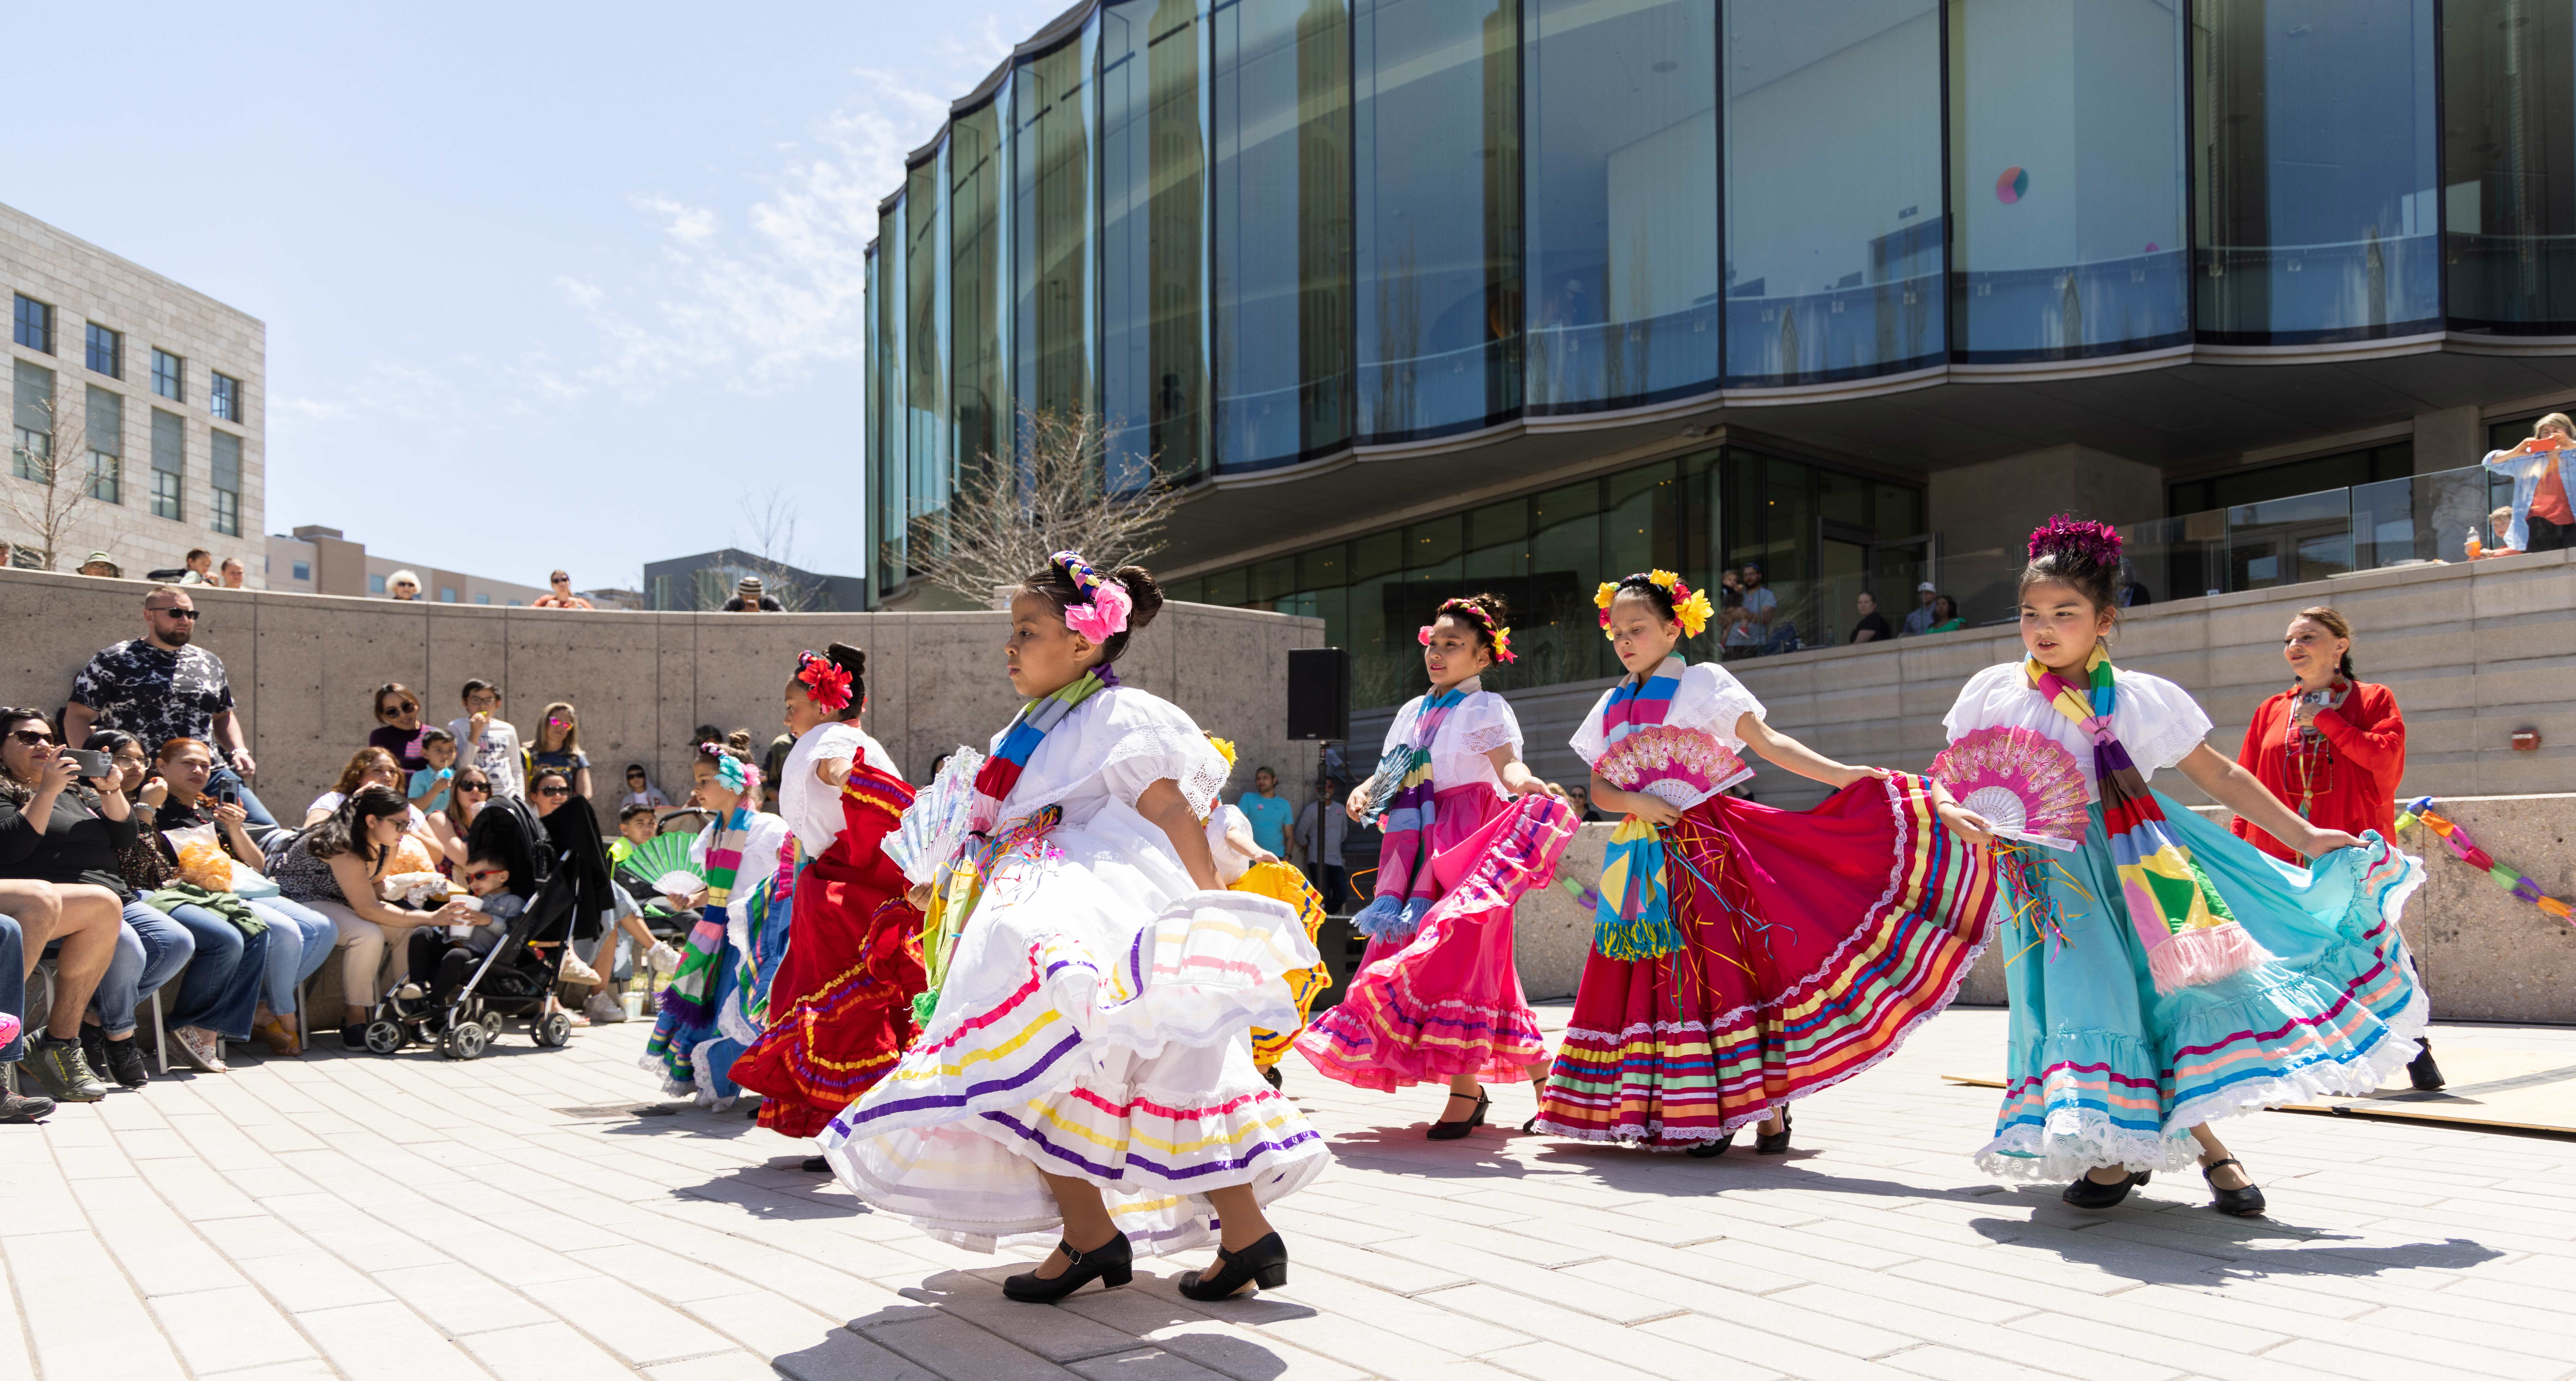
pixel 1746 955
pixel 718 1002
pixel 840 1007
pixel 1437 993
pixel 1279 882
pixel 2340 774
pixel 1091 1015
pixel 2163 972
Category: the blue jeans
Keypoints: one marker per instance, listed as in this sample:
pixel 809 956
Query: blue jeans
pixel 13 985
pixel 223 982
pixel 150 947
pixel 300 941
pixel 223 779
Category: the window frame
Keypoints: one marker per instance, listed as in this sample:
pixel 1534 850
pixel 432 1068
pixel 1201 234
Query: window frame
pixel 223 396
pixel 115 351
pixel 169 382
pixel 20 327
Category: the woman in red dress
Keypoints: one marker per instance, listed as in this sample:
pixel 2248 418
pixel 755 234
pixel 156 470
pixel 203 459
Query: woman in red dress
pixel 2332 747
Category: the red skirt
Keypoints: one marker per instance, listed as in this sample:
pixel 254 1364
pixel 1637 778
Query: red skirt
pixel 840 1009
pixel 1814 942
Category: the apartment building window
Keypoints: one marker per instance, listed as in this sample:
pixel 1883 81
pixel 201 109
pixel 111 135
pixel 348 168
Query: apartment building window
pixel 106 445
pixel 106 351
pixel 31 417
pixel 169 464
pixel 447 594
pixel 303 570
pixel 35 324
pixel 169 376
pixel 223 397
pixel 226 470
pixel 375 583
pixel 486 599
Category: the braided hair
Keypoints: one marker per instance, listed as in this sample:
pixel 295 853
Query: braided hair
pixel 1483 613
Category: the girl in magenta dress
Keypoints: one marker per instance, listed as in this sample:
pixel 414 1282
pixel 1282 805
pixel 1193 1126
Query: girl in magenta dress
pixel 1468 829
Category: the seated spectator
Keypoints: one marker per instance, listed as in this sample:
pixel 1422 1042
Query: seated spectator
pixel 1872 625
pixel 398 728
pixel 428 790
pixel 574 830
pixel 640 791
pixel 635 828
pixel 342 868
pixel 488 741
pixel 442 957
pixel 418 850
pixel 563 597
pixel 1580 797
pixel 299 939
pixel 200 567
pixel 402 585
pixel 2499 536
pixel 1738 635
pixel 57 828
pixel 163 686
pixel 98 564
pixel 234 575
pixel 559 747
pixel 35 899
pixel 1919 619
pixel 748 598
pixel 472 792
pixel 1945 615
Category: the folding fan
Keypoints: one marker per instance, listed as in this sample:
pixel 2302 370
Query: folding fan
pixel 937 822
pixel 1682 766
pixel 2024 783
pixel 661 854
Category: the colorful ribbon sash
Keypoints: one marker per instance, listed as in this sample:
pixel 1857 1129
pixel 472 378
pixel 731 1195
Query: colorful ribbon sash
pixel 1400 802
pixel 1036 720
pixel 693 988
pixel 1634 917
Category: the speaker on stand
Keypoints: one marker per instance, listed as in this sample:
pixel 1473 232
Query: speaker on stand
pixel 1319 712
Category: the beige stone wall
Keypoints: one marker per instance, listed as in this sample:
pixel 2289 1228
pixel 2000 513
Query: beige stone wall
pixel 84 283
pixel 304 668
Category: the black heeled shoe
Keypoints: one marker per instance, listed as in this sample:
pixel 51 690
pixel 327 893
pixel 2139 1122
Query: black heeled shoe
pixel 815 1165
pixel 1264 1263
pixel 1711 1150
pixel 1112 1263
pixel 2088 1192
pixel 2246 1202
pixel 1451 1131
pixel 1773 1143
pixel 2425 1075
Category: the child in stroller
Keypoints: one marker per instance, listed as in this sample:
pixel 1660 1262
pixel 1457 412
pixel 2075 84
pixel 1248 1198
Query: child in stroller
pixel 466 987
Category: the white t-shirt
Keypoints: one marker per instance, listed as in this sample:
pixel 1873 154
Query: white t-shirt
pixel 1476 726
pixel 1709 700
pixel 497 754
pixel 811 808
pixel 1112 746
pixel 2156 720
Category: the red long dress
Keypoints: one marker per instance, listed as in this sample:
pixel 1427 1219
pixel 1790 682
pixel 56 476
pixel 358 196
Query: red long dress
pixel 840 1009
pixel 2352 786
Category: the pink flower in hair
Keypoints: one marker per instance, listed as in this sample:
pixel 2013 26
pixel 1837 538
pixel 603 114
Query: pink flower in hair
pixel 1105 616
pixel 2097 544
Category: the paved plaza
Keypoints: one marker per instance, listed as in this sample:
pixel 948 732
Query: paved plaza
pixel 349 1216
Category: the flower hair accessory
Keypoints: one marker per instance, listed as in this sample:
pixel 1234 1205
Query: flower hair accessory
pixel 826 683
pixel 1472 612
pixel 2096 544
pixel 730 770
pixel 1690 607
pixel 1224 746
pixel 1101 606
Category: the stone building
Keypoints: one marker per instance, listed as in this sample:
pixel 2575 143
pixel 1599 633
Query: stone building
pixel 148 399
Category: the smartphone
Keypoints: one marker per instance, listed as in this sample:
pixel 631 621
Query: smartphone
pixel 230 796
pixel 93 765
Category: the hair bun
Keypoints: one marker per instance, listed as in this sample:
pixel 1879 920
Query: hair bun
pixel 847 658
pixel 2094 544
pixel 1143 592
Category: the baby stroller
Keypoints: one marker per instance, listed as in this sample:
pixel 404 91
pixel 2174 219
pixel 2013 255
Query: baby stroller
pixel 513 981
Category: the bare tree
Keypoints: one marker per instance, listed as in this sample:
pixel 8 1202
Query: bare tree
pixel 49 479
pixel 769 520
pixel 1006 515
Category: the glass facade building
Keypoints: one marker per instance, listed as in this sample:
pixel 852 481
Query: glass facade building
pixel 1259 238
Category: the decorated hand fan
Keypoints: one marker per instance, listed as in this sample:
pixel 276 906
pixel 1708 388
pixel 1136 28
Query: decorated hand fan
pixel 663 853
pixel 1679 765
pixel 679 882
pixel 937 822
pixel 2025 784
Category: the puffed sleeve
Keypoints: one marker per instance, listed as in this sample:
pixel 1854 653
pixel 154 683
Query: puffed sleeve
pixel 1591 740
pixel 1401 729
pixel 1712 700
pixel 1975 707
pixel 1156 740
pixel 1484 723
pixel 2158 721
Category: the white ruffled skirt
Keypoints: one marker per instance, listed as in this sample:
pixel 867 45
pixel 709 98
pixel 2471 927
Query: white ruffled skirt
pixel 1093 1023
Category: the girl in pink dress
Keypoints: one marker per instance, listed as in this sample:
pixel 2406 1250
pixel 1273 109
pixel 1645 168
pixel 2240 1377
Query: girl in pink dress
pixel 1468 829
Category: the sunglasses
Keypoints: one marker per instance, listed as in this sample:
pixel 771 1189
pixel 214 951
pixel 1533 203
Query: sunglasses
pixel 175 613
pixel 31 738
pixel 554 791
pixel 478 874
pixel 484 787
pixel 405 707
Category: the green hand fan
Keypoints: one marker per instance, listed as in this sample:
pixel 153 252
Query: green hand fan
pixel 663 853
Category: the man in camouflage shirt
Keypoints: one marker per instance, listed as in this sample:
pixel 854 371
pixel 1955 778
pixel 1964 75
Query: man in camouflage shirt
pixel 163 686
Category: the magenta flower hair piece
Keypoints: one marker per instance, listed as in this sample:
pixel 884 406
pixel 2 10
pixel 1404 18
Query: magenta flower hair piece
pixel 1102 606
pixel 2097 544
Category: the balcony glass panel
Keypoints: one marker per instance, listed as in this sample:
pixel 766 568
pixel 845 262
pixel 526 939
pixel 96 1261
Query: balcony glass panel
pixel 888 470
pixel 1620 103
pixel 1051 210
pixel 2314 215
pixel 975 283
pixel 2509 165
pixel 1435 109
pixel 1833 189
pixel 2067 178
pixel 1153 160
pixel 925 385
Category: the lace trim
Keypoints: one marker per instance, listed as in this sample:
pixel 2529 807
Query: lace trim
pixel 1202 771
pixel 2042 1155
pixel 1487 738
pixel 2168 746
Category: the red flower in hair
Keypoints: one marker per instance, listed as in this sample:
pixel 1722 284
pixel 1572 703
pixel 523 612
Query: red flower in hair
pixel 2097 544
pixel 827 684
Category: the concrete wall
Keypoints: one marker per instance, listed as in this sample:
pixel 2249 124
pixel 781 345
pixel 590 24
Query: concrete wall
pixel 304 668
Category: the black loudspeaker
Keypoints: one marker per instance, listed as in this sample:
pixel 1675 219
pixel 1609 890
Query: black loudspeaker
pixel 1319 693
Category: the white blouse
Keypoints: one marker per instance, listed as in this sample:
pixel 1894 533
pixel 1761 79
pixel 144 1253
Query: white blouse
pixel 2156 720
pixel 1231 862
pixel 763 835
pixel 811 808
pixel 1113 746
pixel 1476 726
pixel 1709 699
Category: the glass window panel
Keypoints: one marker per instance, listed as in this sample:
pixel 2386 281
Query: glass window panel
pixel 106 351
pixel 2509 164
pixel 106 420
pixel 2314 215
pixel 1435 118
pixel 1273 578
pixel 1281 96
pixel 925 385
pixel 886 434
pixel 1842 499
pixel 224 459
pixel 1379 553
pixel 1620 104
pixel 1050 232
pixel 1324 567
pixel 2067 165
pixel 975 283
pixel 1431 547
pixel 169 376
pixel 1190 591
pixel 1833 189
pixel 1153 364
pixel 1228 588
pixel 1386 662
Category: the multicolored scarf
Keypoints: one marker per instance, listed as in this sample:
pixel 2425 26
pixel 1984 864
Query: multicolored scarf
pixel 2190 936
pixel 953 903
pixel 1400 803
pixel 1634 919
pixel 693 987
pixel 1037 718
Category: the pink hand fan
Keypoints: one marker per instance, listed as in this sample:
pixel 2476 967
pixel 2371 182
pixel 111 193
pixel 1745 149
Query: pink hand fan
pixel 1683 766
pixel 2025 784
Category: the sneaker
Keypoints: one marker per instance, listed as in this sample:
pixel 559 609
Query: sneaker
pixel 93 1043
pixel 662 958
pixel 20 1107
pixel 409 992
pixel 125 1063
pixel 200 1049
pixel 57 1064
pixel 603 1009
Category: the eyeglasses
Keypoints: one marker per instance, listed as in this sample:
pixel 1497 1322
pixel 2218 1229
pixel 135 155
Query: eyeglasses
pixel 174 613
pixel 30 738
pixel 554 791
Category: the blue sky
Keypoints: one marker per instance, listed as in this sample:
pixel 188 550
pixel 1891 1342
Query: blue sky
pixel 544 284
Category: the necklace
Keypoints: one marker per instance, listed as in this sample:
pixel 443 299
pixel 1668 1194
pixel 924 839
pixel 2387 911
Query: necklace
pixel 2311 764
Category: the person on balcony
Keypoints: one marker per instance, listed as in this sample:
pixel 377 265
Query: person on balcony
pixel 2542 518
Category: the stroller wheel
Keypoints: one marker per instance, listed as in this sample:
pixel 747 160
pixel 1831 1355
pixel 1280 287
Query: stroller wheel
pixel 384 1037
pixel 553 1029
pixel 465 1040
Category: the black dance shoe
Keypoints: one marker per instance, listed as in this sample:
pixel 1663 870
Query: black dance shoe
pixel 2242 1203
pixel 1112 1263
pixel 1451 1131
pixel 1710 1150
pixel 1264 1262
pixel 1773 1143
pixel 2425 1075
pixel 2088 1192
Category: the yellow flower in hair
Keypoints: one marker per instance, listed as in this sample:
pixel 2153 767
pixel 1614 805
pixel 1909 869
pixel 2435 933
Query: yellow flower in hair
pixel 1225 746
pixel 1503 645
pixel 1664 578
pixel 1693 613
pixel 1609 591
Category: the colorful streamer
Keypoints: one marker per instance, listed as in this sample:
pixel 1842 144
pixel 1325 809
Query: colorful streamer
pixel 2468 852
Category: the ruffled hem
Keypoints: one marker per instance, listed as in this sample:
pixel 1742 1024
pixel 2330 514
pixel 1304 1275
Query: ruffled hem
pixel 1401 1041
pixel 2030 1154
pixel 1637 1137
